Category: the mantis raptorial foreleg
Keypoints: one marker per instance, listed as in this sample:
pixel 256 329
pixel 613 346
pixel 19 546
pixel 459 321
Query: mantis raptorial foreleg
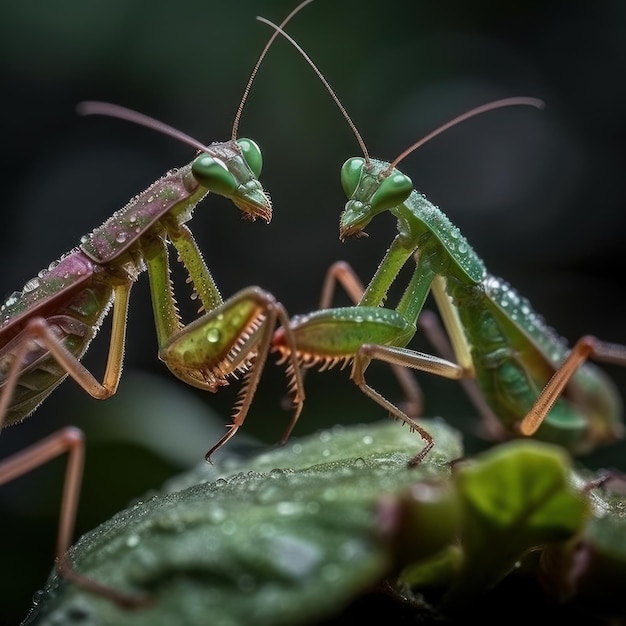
pixel 343 274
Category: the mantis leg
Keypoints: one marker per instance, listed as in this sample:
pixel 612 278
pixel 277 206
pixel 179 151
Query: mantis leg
pixel 229 339
pixel 342 273
pixel 38 330
pixel 234 338
pixel 434 331
pixel 587 347
pixel 402 357
pixel 69 440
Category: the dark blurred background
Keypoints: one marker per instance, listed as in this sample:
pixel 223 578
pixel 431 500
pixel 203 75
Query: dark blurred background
pixel 539 194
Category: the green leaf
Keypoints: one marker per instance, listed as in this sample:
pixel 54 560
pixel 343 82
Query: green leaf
pixel 288 537
pixel 516 497
pixel 599 582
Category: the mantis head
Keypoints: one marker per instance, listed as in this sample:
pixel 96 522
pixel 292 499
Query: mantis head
pixel 371 188
pixel 232 170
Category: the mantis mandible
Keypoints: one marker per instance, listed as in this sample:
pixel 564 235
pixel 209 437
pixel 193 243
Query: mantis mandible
pixel 46 328
pixel 530 382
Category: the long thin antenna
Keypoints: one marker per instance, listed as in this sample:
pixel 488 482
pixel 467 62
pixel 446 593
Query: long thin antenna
pixel 497 104
pixel 490 106
pixel 324 82
pixel 91 107
pixel 258 64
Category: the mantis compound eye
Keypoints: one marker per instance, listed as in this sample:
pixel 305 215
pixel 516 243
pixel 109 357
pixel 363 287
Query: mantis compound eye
pixel 351 175
pixel 214 175
pixel 252 155
pixel 394 190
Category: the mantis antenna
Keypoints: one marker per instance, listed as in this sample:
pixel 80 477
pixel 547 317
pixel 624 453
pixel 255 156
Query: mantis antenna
pixel 246 91
pixel 490 106
pixel 91 107
pixel 326 84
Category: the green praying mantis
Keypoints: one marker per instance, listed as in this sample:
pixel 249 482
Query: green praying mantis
pixel 46 328
pixel 529 381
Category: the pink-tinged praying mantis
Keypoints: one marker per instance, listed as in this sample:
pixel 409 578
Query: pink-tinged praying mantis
pixel 528 381
pixel 47 327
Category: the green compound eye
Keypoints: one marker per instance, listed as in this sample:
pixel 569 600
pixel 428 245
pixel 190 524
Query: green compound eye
pixel 351 175
pixel 214 175
pixel 252 154
pixel 394 190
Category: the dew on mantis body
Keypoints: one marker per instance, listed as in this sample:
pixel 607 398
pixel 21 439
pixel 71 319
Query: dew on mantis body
pixel 213 335
pixel 33 283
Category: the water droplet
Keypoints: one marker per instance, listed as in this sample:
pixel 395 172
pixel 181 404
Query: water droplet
pixel 286 508
pixel 37 597
pixel 325 436
pixel 33 283
pixel 368 440
pixel 213 335
pixel 120 237
pixel 229 527
pixel 329 494
pixel 132 219
pixel 216 514
pixel 132 541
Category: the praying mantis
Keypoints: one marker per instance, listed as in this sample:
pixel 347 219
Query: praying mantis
pixel 46 328
pixel 529 382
